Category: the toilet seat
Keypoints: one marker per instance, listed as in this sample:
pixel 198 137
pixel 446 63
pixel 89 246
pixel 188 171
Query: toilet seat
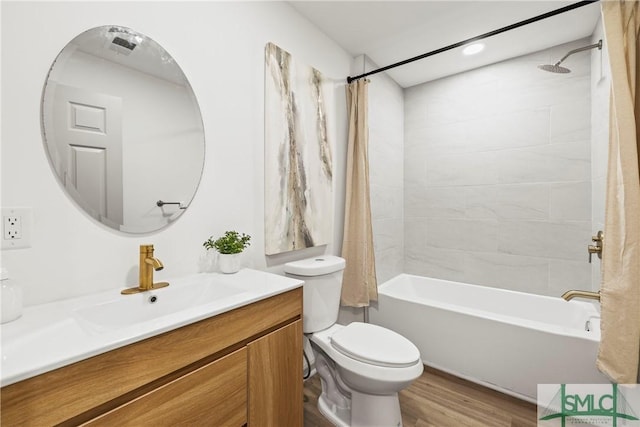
pixel 363 375
pixel 375 345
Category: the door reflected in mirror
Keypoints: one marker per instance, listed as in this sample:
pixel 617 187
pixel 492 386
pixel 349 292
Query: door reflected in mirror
pixel 123 129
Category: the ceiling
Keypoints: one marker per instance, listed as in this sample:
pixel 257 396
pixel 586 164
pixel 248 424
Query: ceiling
pixel 391 31
pixel 147 56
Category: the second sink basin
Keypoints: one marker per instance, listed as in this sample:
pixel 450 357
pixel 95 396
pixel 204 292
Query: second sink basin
pixel 128 310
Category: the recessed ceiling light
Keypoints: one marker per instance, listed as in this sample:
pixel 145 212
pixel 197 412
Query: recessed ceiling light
pixel 472 49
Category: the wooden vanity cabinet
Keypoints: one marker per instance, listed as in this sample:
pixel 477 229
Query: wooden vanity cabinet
pixel 274 394
pixel 243 367
pixel 215 395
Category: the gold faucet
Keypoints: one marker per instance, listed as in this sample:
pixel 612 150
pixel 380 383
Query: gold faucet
pixel 148 263
pixel 596 248
pixel 569 295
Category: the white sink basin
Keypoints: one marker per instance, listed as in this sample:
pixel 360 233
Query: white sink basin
pixel 128 310
pixel 56 334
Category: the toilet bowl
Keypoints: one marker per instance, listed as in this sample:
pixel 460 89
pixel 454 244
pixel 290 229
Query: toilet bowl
pixel 367 365
pixel 362 366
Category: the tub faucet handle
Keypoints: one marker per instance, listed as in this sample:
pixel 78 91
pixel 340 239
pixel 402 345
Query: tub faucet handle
pixel 596 248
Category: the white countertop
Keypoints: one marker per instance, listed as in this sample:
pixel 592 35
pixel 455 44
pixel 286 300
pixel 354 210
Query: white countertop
pixel 60 333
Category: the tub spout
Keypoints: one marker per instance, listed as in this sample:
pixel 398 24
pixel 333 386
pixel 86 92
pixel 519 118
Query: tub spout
pixel 569 295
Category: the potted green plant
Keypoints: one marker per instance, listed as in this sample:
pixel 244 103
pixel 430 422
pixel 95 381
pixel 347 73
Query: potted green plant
pixel 229 248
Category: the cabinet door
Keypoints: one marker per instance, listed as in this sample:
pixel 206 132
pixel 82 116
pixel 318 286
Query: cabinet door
pixel 214 395
pixel 275 378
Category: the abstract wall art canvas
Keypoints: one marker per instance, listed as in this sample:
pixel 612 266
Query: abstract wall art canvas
pixel 298 161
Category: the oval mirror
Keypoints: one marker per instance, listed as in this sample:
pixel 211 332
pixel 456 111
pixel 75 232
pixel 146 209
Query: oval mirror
pixel 123 129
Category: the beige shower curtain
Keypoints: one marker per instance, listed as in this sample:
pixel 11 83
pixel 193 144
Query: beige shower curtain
pixel 620 291
pixel 359 286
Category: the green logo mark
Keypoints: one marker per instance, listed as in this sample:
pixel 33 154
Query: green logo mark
pixel 604 406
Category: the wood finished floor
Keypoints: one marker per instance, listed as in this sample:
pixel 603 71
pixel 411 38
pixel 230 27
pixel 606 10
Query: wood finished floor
pixel 438 399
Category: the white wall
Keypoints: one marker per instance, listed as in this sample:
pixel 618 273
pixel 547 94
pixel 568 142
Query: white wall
pixel 220 47
pixel 498 175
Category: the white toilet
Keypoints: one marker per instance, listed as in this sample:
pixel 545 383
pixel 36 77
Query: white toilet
pixel 362 366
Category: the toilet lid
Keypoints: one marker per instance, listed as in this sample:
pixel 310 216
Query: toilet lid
pixel 375 345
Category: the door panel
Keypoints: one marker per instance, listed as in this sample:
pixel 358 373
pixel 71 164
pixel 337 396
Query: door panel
pixel 89 131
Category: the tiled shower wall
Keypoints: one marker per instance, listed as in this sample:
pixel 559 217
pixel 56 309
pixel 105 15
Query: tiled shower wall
pixel 600 90
pixel 497 175
pixel 386 119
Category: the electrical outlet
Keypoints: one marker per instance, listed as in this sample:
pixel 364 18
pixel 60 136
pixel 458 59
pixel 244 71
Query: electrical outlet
pixel 16 228
pixel 12 227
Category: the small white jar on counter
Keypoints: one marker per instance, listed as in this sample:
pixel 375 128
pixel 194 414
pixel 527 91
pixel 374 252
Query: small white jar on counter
pixel 11 298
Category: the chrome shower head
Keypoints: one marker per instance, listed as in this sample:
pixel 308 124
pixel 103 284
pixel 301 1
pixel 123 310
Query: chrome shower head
pixel 556 68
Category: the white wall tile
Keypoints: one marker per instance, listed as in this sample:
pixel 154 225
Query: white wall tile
pixel 571 121
pixel 441 139
pixel 599 152
pixel 436 262
pixel 384 152
pixel 519 273
pixel 415 165
pixel 387 173
pixel 509 129
pixel 549 163
pixel 415 235
pixel 570 201
pixel 567 275
pixel 389 263
pixel 599 190
pixel 522 201
pixel 388 234
pixel 435 202
pixel 600 94
pixel 561 240
pixel 480 201
pixel 386 202
pixel 463 234
pixel 498 169
pixel 545 91
pixel 462 169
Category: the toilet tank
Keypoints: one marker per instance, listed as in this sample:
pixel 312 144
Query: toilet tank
pixel 322 277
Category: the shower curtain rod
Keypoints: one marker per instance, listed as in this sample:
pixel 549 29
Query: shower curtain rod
pixel 480 37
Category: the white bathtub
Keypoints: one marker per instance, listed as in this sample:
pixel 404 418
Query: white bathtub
pixel 509 341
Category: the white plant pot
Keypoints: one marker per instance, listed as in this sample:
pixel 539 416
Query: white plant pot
pixel 229 263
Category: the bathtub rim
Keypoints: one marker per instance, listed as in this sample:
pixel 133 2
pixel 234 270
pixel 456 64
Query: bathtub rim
pixel 591 335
